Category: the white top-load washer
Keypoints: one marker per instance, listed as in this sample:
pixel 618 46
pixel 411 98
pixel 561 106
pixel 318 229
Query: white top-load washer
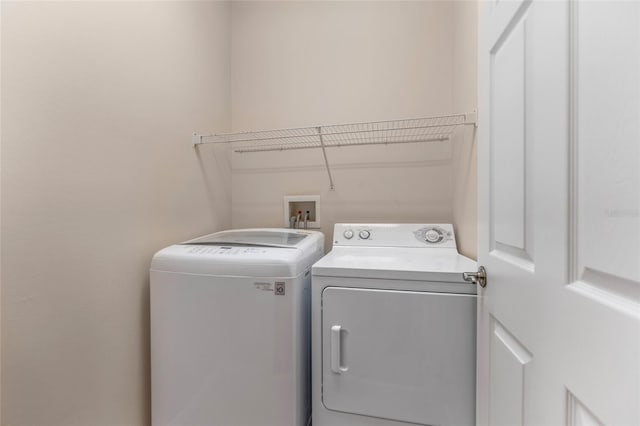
pixel 230 314
pixel 393 328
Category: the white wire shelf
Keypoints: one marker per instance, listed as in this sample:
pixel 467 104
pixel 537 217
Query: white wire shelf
pixel 414 130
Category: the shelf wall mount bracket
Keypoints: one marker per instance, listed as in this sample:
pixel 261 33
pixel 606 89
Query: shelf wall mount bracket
pixel 472 118
pixel 197 139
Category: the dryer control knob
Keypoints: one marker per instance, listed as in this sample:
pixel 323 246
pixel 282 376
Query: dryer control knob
pixel 348 234
pixel 433 236
pixel 364 234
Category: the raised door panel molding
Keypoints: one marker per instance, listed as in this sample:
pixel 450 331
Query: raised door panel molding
pixel 578 414
pixel 605 243
pixel 509 359
pixel 510 198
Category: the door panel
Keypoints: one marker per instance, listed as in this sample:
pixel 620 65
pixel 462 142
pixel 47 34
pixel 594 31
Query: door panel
pixel 406 356
pixel 606 174
pixel 509 359
pixel 559 320
pixel 509 139
pixel 510 201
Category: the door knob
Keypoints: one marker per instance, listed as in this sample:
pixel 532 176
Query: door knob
pixel 479 277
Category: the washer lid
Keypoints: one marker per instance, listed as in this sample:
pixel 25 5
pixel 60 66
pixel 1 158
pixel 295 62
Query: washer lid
pixel 252 238
pixel 264 252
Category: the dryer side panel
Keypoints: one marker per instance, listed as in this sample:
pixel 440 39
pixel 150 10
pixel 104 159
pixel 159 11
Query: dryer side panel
pixel 399 355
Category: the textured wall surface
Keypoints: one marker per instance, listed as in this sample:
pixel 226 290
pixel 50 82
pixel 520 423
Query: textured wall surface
pixel 307 63
pixel 98 103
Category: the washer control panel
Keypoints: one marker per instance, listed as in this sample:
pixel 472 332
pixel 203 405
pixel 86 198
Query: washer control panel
pixel 394 235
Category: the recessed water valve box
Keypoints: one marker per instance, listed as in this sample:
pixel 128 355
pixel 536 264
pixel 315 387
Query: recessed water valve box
pixel 297 208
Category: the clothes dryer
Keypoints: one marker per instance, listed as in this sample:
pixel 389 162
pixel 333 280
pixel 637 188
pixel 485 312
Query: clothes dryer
pixel 394 328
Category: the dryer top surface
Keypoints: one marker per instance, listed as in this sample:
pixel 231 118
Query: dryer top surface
pixel 392 251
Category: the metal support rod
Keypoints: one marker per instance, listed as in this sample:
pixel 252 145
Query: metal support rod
pixel 337 145
pixel 324 153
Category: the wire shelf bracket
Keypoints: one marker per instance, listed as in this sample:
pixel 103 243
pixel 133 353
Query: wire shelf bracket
pixel 413 130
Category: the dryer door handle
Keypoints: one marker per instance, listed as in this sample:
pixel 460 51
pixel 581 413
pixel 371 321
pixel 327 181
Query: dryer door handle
pixel 336 350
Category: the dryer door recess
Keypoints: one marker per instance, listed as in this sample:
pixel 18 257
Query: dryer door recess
pixel 399 355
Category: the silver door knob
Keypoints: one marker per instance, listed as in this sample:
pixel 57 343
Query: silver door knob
pixel 479 277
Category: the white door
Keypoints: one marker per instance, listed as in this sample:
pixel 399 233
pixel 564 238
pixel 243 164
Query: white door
pixel 559 222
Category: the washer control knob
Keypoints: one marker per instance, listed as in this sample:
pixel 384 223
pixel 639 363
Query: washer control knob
pixel 348 234
pixel 433 236
pixel 364 234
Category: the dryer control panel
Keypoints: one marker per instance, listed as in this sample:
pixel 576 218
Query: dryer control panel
pixel 413 235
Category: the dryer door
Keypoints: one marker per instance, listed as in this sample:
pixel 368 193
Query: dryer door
pixel 399 355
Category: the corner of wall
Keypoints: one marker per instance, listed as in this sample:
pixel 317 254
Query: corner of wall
pixel 464 200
